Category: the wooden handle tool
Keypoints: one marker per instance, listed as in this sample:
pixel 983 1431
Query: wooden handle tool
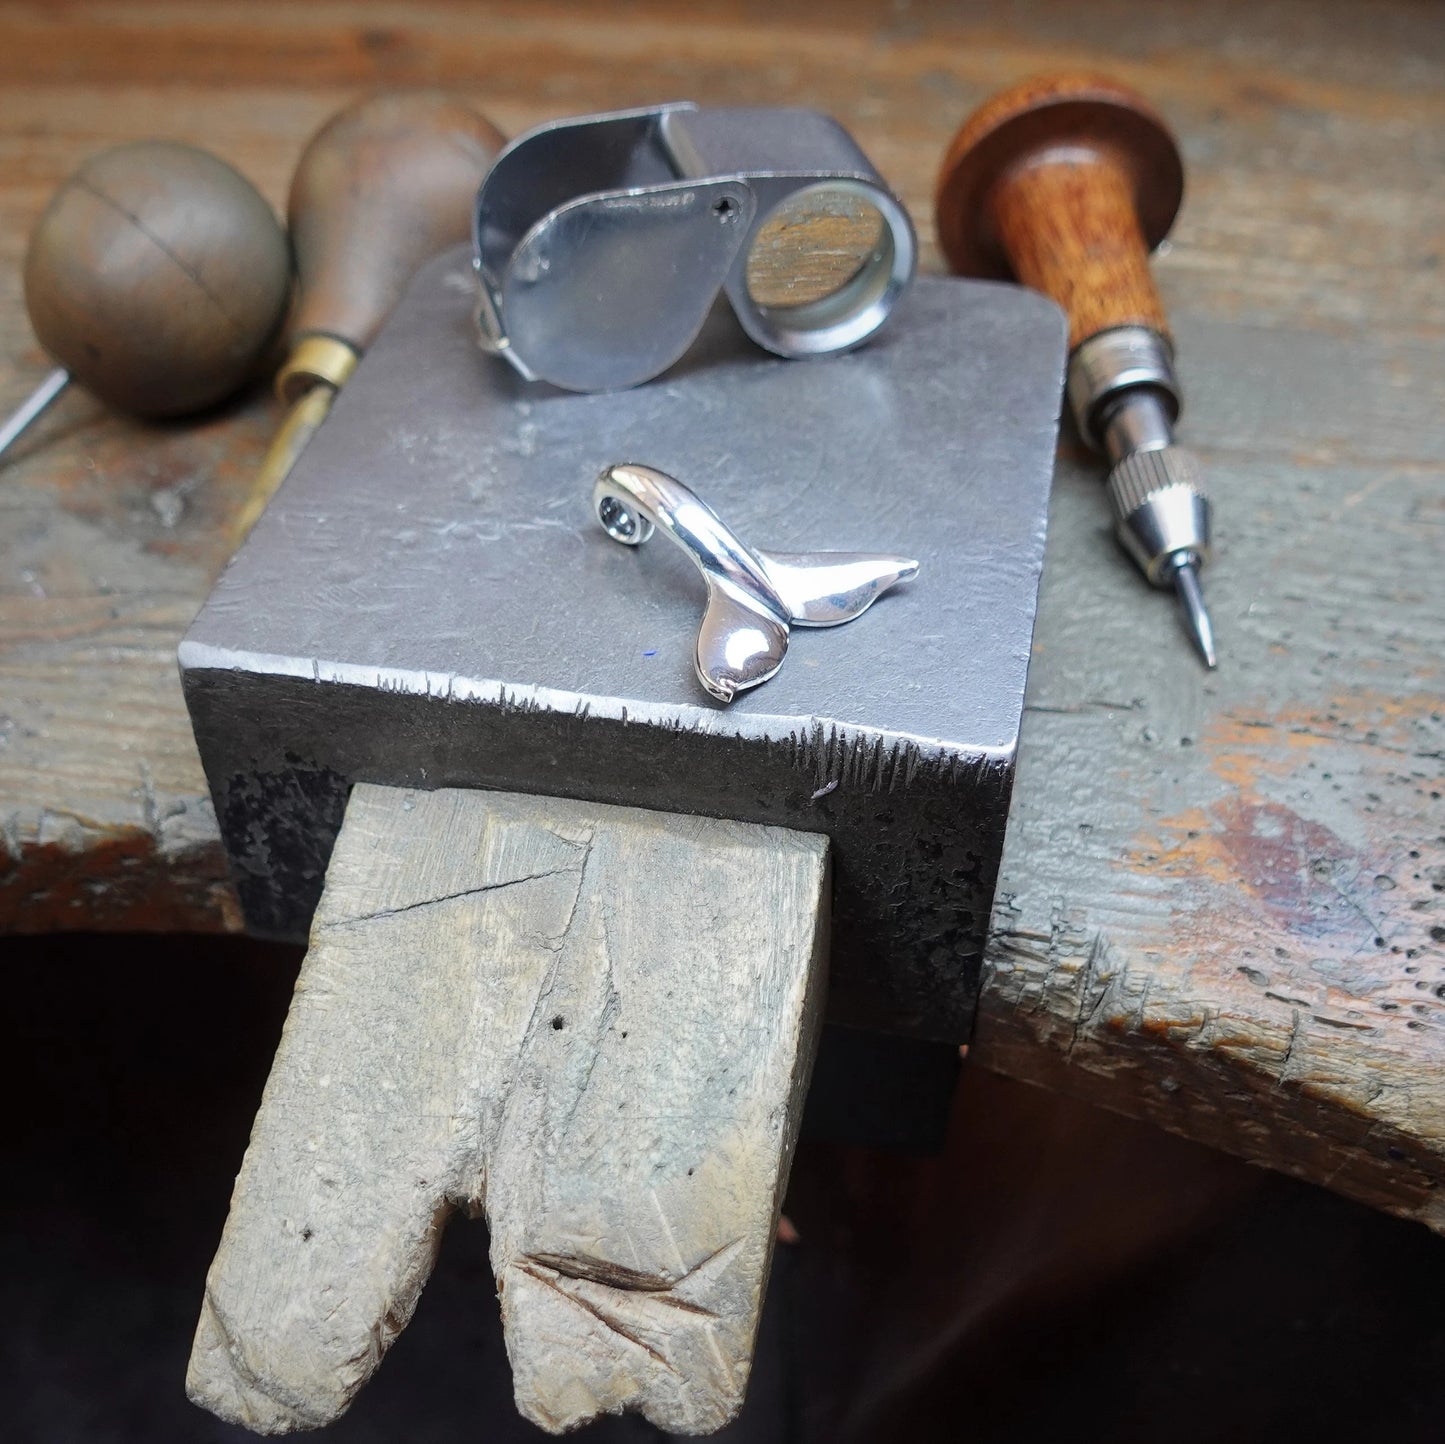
pixel 383 186
pixel 1067 183
pixel 156 277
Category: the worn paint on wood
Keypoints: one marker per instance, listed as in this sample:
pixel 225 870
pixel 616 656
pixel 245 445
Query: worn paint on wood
pixel 1303 280
pixel 1221 899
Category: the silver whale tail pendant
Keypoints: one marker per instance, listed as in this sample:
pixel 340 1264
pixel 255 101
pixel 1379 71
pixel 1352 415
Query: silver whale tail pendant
pixel 753 596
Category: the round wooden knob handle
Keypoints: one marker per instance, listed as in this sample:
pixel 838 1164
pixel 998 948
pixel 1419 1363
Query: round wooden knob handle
pixel 1067 183
pixel 383 186
pixel 157 276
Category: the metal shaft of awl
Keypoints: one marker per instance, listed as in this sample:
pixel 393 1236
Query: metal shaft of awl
pixel 1196 614
pixel 1126 399
pixel 32 406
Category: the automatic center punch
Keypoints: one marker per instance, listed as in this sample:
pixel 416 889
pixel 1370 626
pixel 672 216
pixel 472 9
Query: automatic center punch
pixel 1067 183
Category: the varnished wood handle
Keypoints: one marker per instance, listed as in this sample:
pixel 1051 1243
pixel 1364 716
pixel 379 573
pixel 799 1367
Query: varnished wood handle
pixel 385 185
pixel 1065 183
pixel 158 277
pixel 1069 228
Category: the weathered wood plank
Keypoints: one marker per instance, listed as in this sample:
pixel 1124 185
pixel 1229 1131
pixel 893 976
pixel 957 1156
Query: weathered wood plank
pixel 1303 278
pixel 1221 899
pixel 104 816
pixel 1313 134
pixel 593 1024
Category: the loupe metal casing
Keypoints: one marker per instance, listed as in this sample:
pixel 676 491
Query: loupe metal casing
pixel 602 242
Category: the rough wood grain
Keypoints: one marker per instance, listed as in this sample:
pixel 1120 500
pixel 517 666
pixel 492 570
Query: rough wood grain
pixel 1220 905
pixel 1303 281
pixel 593 1024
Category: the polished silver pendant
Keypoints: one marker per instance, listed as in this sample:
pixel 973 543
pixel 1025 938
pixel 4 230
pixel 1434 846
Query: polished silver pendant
pixel 753 596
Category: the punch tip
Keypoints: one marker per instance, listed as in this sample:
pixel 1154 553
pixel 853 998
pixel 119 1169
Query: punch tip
pixel 1196 614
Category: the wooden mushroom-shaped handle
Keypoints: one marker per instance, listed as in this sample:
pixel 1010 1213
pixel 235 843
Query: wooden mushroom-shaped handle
pixel 1065 183
pixel 157 277
pixel 383 186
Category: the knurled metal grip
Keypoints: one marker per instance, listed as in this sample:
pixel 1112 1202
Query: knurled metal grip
pixel 1160 510
pixel 602 242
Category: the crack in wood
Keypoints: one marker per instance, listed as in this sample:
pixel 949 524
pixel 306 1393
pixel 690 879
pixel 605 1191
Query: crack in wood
pixel 83 183
pixel 659 1286
pixel 1091 977
pixel 608 1321
pixel 437 901
pixel 1294 1036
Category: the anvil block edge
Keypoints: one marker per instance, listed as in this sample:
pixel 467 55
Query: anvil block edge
pixel 917 827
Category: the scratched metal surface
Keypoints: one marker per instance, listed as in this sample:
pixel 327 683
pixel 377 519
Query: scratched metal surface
pixel 1221 896
pixel 430 601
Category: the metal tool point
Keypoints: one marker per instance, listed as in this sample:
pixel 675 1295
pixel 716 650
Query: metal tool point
pixel 753 596
pixel 1191 604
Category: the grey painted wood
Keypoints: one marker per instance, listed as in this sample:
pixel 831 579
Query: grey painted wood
pixel 1304 279
pixel 592 1024
pixel 1220 905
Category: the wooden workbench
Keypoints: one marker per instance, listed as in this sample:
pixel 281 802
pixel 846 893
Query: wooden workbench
pixel 1221 902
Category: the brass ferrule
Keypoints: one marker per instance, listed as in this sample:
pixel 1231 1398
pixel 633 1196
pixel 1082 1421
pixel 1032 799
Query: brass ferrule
pixel 316 361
